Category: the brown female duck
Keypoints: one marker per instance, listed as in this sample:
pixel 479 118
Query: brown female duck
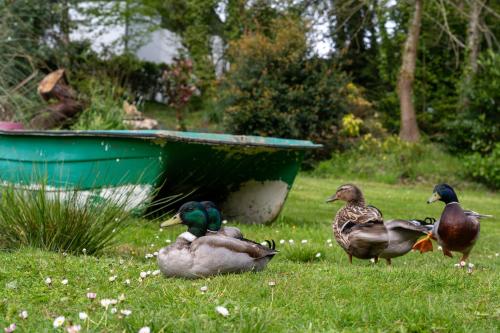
pixel 457 229
pixel 359 229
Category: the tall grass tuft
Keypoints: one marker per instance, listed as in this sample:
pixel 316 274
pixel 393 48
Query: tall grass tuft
pixel 54 220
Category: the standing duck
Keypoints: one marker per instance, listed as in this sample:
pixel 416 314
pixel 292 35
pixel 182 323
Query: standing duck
pixel 359 229
pixel 195 255
pixel 215 222
pixel 457 229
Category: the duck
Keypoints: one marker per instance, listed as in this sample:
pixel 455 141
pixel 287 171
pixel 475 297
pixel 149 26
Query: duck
pixel 194 255
pixel 456 230
pixel 358 228
pixel 403 234
pixel 215 222
pixel 215 225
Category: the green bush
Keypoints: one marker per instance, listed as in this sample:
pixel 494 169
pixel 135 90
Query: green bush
pixel 60 221
pixel 274 89
pixel 478 127
pixel 393 161
pixel 105 109
pixel 485 169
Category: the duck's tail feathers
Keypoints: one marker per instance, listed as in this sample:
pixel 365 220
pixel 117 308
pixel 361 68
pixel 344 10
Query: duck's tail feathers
pixel 271 244
pixel 476 214
pixel 426 221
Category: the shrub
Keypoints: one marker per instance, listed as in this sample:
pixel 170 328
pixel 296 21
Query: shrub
pixel 274 89
pixel 180 86
pixel 485 169
pixel 60 221
pixel 478 127
pixel 105 109
pixel 392 160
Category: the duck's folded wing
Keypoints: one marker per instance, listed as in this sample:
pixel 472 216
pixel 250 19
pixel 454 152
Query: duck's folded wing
pixel 254 250
pixel 406 225
pixel 231 232
pixel 474 214
pixel 369 232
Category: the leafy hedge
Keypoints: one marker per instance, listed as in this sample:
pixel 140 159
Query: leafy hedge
pixel 485 169
pixel 274 89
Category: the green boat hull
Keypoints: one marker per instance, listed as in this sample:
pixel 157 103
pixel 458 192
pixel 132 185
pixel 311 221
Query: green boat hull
pixel 249 177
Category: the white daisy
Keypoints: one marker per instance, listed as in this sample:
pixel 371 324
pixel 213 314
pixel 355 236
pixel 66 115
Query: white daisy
pixel 58 322
pixel 126 312
pixel 222 311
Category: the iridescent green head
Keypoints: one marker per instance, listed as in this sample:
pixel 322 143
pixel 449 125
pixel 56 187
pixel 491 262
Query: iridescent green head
pixel 443 192
pixel 193 215
pixel 214 216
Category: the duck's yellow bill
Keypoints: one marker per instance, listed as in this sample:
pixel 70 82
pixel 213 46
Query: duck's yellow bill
pixel 176 219
pixel 434 197
pixel 424 245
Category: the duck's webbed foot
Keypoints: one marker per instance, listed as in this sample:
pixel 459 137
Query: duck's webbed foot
pixel 424 245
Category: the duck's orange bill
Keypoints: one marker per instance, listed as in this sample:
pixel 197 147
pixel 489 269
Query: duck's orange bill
pixel 424 245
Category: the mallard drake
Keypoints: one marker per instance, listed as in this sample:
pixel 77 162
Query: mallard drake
pixel 403 234
pixel 359 229
pixel 215 222
pixel 456 230
pixel 195 255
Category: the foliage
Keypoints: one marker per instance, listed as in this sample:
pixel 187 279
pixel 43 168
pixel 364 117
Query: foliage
pixel 19 74
pixel 351 125
pixel 180 85
pixel 393 161
pixel 364 297
pixel 485 169
pixel 59 221
pixel 478 127
pixel 273 89
pixel 104 111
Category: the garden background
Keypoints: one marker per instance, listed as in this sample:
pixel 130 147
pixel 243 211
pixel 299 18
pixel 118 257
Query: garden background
pixel 402 95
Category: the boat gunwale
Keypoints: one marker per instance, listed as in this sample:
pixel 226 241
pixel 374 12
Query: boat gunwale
pixel 241 140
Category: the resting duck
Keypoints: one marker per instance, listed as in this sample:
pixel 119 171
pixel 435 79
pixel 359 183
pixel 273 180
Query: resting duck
pixel 403 234
pixel 457 229
pixel 215 222
pixel 359 229
pixel 195 255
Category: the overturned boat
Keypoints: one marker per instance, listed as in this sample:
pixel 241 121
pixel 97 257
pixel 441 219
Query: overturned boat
pixel 248 176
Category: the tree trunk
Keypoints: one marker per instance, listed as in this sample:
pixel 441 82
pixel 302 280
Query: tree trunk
pixel 472 49
pixel 409 128
pixel 53 87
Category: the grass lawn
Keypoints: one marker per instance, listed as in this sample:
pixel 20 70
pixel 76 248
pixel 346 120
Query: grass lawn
pixel 419 293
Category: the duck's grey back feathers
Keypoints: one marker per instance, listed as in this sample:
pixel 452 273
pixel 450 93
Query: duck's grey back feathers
pixel 402 236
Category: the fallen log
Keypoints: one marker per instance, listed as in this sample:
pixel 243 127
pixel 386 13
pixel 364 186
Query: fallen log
pixel 65 102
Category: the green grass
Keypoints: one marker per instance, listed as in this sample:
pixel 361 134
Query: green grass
pixel 419 293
